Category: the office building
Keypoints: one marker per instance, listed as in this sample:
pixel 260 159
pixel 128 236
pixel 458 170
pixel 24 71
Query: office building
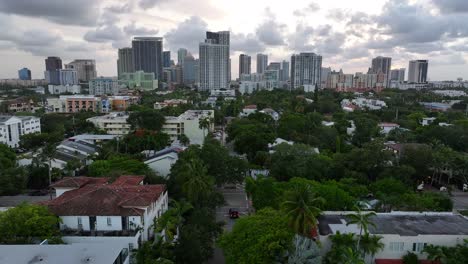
pixel 61 89
pixel 214 69
pixel 418 71
pixel 139 80
pixel 190 70
pixel 24 74
pixel 86 69
pixel 103 86
pixel 181 54
pixel 397 75
pixel 125 61
pixel 262 62
pixel 284 74
pixel 306 69
pixel 53 64
pixel 383 65
pixel 166 59
pixel 147 55
pixel 244 64
pixel 67 76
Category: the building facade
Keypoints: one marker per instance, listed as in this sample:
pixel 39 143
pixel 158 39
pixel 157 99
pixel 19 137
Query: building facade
pixel 68 77
pixel 113 123
pixel 284 74
pixel 103 86
pixel 306 69
pixel 188 124
pixel 13 127
pixel 166 59
pixel 24 74
pixel 139 80
pixel 86 69
pixel 52 64
pixel 147 55
pixel 244 64
pixel 418 71
pixel 398 75
pixel 214 62
pixel 190 70
pixel 262 62
pixel 181 54
pixel 125 61
pixel 382 65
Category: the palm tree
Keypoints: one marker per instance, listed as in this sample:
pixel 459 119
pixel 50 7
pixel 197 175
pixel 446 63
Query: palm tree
pixel 301 207
pixel 305 251
pixel 371 245
pixel 72 166
pixel 362 220
pixel 204 123
pixel 47 155
pixel 352 257
pixel 171 220
pixel 198 184
pixel 435 253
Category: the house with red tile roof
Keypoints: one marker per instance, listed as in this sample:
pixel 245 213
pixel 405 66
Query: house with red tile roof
pixel 98 210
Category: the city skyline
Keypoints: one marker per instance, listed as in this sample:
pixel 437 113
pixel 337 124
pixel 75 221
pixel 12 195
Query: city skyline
pixel 347 35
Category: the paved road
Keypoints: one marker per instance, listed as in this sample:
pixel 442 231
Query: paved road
pixel 460 200
pixel 235 198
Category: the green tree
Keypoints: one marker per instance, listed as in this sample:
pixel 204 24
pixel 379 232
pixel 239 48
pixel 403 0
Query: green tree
pixel 272 238
pixel 25 223
pixel 410 258
pixel 146 118
pixel 340 244
pixel 198 185
pixel 366 129
pixel 172 219
pixel 204 124
pixel 362 220
pixel 370 245
pixel 301 206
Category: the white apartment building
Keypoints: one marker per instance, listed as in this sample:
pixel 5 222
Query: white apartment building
pixel 113 123
pixel 60 89
pixel 13 127
pixel 401 232
pixel 214 62
pixel 169 103
pixel 104 86
pixel 188 123
pixel 122 211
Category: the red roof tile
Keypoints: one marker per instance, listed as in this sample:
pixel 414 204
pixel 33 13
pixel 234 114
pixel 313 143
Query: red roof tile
pixel 102 200
pixel 128 180
pixel 77 182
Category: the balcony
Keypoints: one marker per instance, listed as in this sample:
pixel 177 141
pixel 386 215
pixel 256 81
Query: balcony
pixel 117 233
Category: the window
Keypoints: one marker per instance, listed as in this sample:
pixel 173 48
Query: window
pixel 418 247
pixel 80 223
pixel 109 221
pixel 396 246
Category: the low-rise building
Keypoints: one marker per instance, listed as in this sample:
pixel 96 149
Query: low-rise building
pixel 401 232
pixel 61 89
pixel 77 150
pixel 161 161
pixel 362 103
pixel 268 111
pixel 249 109
pixel 119 212
pixel 21 105
pixel 104 86
pixel 189 124
pixel 385 128
pixel 139 80
pixel 113 123
pixel 118 103
pixel 169 103
pixel 13 127
pixel 450 93
pixel 427 121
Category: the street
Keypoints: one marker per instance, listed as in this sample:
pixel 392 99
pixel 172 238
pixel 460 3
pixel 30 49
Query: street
pixel 235 198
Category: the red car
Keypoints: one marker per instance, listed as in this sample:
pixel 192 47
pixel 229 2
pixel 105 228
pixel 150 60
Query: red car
pixel 233 213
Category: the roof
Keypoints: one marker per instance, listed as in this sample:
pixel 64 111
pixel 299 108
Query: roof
pixel 250 107
pixel 402 223
pixel 105 200
pixel 128 180
pixel 164 152
pixel 78 182
pixel 388 125
pixel 79 253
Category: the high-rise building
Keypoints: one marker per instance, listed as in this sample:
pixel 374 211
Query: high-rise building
pixel 382 65
pixel 125 61
pixel 24 74
pixel 244 64
pixel 53 64
pixel 86 69
pixel 262 62
pixel 68 76
pixel 274 66
pixel 284 74
pixel 147 55
pixel 181 54
pixel 166 59
pixel 418 71
pixel 214 61
pixel 324 76
pixel 397 75
pixel 306 69
pixel 190 70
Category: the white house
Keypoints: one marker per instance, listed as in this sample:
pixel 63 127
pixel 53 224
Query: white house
pixel 249 109
pixel 188 124
pixel 385 128
pixel 268 111
pixel 427 121
pixel 113 123
pixel 13 127
pixel 122 211
pixel 401 232
pixel 161 162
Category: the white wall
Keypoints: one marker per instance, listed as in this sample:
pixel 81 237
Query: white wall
pixel 101 222
pixel 162 165
pixel 59 191
pixel 119 241
pixel 153 212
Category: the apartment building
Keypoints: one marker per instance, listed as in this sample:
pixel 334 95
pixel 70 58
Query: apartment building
pixel 13 127
pixel 113 123
pixel 188 123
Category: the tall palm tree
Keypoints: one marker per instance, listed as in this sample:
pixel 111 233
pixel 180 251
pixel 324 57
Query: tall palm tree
pixel 362 220
pixel 204 123
pixel 302 208
pixel 370 245
pixel 352 257
pixel 435 253
pixel 198 184
pixel 172 219
pixel 47 155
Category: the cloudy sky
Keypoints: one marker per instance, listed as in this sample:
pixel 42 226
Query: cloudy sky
pixel 346 33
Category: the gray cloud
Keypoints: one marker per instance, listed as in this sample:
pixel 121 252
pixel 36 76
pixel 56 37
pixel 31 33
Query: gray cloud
pixel 83 12
pixel 270 31
pixel 188 34
pixel 451 6
pixel 311 8
pixel 146 4
pixel 134 30
pixel 247 43
pixel 104 34
pixel 123 8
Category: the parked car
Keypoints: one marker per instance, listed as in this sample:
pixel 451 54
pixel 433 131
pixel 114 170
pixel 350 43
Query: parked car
pixel 233 213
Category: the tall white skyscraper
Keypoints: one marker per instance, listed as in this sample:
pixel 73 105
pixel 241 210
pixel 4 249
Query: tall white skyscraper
pixel 214 70
pixel 418 71
pixel 306 69
pixel 262 63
